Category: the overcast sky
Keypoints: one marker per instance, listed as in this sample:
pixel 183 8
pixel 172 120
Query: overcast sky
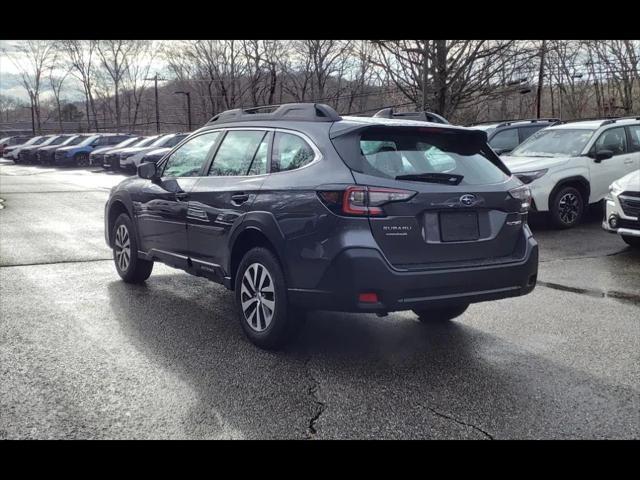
pixel 10 82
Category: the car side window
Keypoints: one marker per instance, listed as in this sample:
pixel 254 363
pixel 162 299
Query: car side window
pixel 174 141
pixel 613 139
pixel 526 132
pixel 236 153
pixel 290 152
pixel 505 139
pixel 187 160
pixel 259 163
pixel 634 138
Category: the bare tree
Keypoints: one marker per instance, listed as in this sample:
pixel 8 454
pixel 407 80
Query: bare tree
pixel 57 74
pixel 31 58
pixel 445 75
pixel 139 61
pixel 81 57
pixel 114 59
pixel 8 104
pixel 565 60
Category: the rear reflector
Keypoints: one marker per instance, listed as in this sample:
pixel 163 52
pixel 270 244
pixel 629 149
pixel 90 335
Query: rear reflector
pixel 368 298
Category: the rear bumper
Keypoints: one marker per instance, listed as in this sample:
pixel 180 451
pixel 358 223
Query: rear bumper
pixel 364 270
pixel 128 163
pixel 111 162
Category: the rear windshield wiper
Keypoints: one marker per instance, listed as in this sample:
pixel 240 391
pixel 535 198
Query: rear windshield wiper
pixel 445 178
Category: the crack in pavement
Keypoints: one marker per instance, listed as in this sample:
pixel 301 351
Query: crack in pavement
pixel 460 422
pixel 617 295
pixel 313 393
pixel 61 262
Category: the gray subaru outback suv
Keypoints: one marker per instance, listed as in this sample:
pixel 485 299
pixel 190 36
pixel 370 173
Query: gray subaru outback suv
pixel 298 208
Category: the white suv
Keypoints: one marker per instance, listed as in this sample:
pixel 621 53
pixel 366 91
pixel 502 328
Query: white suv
pixel 622 215
pixel 570 165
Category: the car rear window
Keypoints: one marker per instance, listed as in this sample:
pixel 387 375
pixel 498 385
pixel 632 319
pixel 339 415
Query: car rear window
pixel 393 153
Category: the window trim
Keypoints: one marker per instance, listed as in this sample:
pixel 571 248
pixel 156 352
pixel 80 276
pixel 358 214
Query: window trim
pixel 522 127
pixel 270 135
pixel 592 150
pixel 266 131
pixel 317 157
pixel 224 130
pixel 317 154
pixel 214 148
pixel 503 130
pixel 627 131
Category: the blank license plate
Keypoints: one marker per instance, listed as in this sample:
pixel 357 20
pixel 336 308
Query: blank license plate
pixel 459 226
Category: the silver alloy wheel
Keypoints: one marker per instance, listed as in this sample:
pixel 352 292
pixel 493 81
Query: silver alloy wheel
pixel 568 208
pixel 257 296
pixel 122 248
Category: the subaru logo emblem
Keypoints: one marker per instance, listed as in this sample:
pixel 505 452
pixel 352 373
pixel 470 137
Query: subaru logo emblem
pixel 467 199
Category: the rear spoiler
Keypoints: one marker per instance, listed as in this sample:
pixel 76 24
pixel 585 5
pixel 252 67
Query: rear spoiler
pixel 343 128
pixel 463 141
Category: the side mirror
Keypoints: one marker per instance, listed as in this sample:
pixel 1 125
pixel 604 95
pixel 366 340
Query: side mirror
pixel 148 170
pixel 603 155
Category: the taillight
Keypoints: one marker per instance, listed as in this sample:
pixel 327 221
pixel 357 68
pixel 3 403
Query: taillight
pixel 361 200
pixel 522 193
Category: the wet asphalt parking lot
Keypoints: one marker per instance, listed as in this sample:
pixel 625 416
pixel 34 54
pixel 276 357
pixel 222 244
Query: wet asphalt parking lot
pixel 83 355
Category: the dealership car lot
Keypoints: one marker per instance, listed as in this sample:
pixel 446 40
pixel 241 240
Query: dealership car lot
pixel 83 355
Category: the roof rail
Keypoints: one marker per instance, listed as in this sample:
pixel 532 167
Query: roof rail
pixel 308 112
pixel 590 119
pixel 632 117
pixel 532 120
pixel 503 123
pixel 422 116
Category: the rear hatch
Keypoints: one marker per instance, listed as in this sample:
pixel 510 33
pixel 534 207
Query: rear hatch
pixel 457 209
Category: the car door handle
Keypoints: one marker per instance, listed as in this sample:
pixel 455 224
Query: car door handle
pixel 239 198
pixel 629 161
pixel 182 195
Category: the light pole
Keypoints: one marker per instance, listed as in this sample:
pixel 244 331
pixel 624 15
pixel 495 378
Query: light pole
pixel 543 50
pixel 155 83
pixel 188 95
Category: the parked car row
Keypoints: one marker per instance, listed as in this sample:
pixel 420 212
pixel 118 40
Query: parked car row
pixel 570 165
pixel 7 142
pixel 109 150
pixel 146 149
pixel 61 149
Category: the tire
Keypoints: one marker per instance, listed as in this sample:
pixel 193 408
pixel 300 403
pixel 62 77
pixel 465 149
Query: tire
pixel 125 252
pixel 631 241
pixel 267 331
pixel 567 207
pixel 443 314
pixel 81 160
